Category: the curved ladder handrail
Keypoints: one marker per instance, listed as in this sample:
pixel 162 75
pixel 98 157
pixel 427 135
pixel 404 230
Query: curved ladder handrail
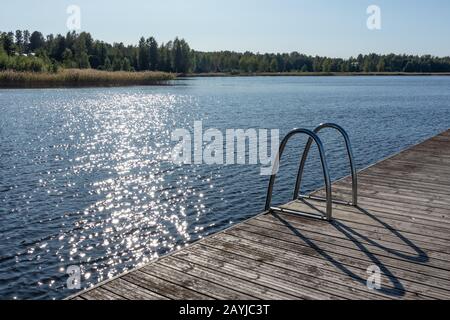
pixel 349 153
pixel 313 137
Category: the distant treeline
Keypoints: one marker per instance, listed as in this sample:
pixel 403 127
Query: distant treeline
pixel 25 51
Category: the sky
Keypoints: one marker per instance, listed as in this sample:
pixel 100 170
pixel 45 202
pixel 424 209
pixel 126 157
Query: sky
pixel 336 28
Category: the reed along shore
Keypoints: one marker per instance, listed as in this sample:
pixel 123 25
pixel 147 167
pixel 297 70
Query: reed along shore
pixel 82 78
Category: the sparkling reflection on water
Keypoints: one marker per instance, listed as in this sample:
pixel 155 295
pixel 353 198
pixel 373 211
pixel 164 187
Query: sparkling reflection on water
pixel 86 177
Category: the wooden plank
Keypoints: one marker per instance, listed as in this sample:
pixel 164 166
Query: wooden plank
pixel 430 186
pixel 385 194
pixel 400 226
pixel 338 235
pixel 384 217
pixel 380 232
pixel 253 286
pixel 233 263
pixel 131 291
pixel 358 251
pixel 367 202
pixel 194 283
pixel 355 271
pixel 163 287
pixel 274 250
pixel 101 294
pixel 417 190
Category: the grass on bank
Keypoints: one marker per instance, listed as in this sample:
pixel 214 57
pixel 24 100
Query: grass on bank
pixel 81 78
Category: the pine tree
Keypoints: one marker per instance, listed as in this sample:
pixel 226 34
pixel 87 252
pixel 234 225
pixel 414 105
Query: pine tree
pixel 126 65
pixel 107 66
pixel 68 59
pixel 381 65
pixel 144 61
pixel 8 43
pixel 153 53
pixel 26 41
pixel 177 56
pixel 37 41
pixel 274 65
pixel 83 61
pixel 117 64
pixel 19 41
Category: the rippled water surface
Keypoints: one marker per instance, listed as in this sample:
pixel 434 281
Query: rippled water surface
pixel 86 176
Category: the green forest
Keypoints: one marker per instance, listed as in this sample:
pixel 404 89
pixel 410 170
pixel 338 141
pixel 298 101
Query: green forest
pixel 25 51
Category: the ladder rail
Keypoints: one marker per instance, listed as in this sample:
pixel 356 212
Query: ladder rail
pixel 313 137
pixel 350 157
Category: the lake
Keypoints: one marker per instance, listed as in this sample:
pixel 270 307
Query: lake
pixel 86 177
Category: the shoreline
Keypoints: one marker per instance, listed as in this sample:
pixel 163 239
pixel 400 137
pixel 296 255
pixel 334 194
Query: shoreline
pixel 89 78
pixel 311 74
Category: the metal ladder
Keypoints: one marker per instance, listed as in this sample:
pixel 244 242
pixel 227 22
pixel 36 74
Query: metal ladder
pixel 313 137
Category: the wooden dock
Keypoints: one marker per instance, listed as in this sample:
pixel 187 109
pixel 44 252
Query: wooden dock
pixel 401 226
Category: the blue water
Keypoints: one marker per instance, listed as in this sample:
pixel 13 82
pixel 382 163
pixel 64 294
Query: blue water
pixel 86 177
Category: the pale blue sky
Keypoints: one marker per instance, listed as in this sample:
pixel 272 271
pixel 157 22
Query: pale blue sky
pixel 324 27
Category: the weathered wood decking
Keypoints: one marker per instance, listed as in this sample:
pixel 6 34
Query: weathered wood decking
pixel 402 226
